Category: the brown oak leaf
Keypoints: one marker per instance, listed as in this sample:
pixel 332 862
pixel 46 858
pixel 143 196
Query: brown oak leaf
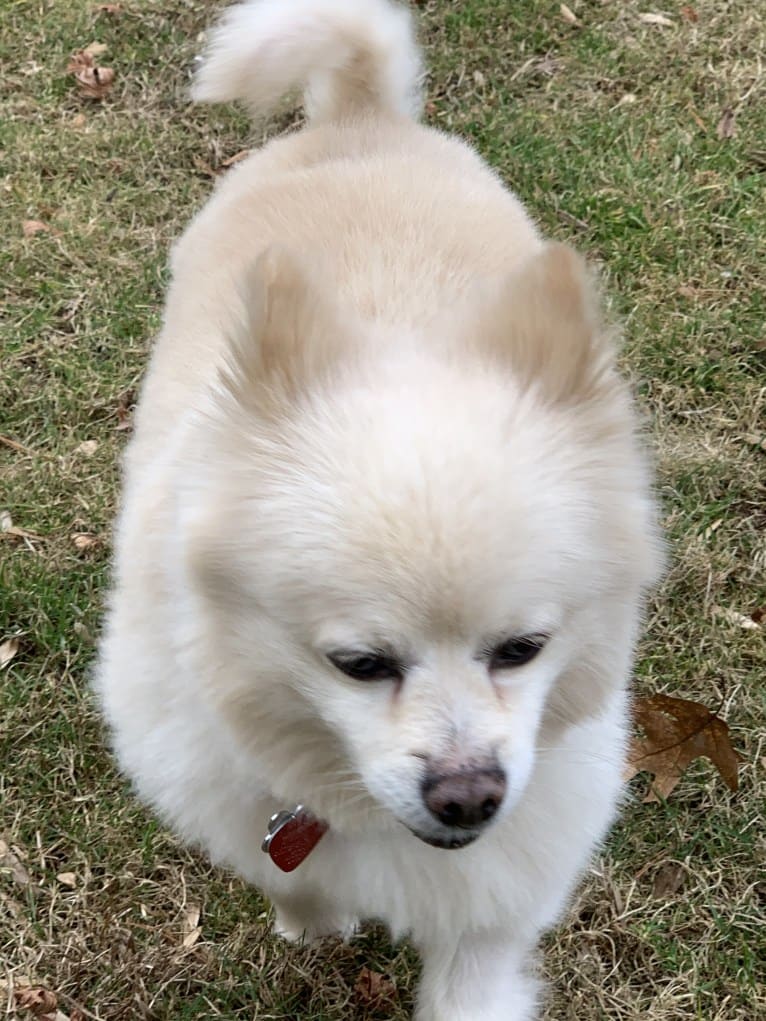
pixel 676 732
pixel 94 81
pixel 31 227
pixel 36 999
pixel 373 990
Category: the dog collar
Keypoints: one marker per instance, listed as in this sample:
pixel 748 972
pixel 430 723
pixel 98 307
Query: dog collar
pixel 292 836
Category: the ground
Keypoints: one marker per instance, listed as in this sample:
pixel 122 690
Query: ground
pixel 614 132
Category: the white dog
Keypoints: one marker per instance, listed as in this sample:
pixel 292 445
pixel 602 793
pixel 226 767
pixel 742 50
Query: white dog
pixel 386 529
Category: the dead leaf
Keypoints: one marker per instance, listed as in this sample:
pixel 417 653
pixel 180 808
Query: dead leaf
pixel 87 448
pixel 191 937
pixel 759 615
pixel 677 732
pixel 743 620
pixel 94 81
pixel 373 990
pixel 85 540
pixel 7 528
pixel 78 121
pixel 95 49
pixel 109 9
pixel 190 926
pixel 689 13
pixel 191 918
pixel 31 227
pixel 125 411
pixel 79 60
pixel 8 650
pixel 668 880
pixel 67 879
pixel 569 15
pixel 656 19
pixel 727 126
pixel 37 999
pixel 11 862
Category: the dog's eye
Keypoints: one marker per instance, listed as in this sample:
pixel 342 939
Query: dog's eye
pixel 367 666
pixel 516 652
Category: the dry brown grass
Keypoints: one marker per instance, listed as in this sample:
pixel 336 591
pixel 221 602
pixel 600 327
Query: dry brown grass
pixel 644 186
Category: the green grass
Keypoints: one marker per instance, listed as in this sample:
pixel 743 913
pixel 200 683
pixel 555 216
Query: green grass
pixel 608 132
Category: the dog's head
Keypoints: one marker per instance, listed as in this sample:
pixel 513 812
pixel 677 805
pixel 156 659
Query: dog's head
pixel 418 561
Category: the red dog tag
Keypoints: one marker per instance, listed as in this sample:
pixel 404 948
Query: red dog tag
pixel 292 836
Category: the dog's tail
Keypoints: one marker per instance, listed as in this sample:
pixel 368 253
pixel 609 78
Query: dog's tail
pixel 348 55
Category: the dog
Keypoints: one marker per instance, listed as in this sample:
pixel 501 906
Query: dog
pixel 387 526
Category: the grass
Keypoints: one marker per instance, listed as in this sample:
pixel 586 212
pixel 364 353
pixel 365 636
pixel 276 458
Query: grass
pixel 607 130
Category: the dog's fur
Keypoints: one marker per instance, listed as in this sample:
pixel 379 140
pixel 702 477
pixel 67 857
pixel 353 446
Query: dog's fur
pixel 382 413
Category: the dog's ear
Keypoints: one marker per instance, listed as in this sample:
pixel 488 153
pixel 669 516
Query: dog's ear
pixel 289 334
pixel 543 321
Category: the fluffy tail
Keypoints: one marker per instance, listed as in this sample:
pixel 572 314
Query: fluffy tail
pixel 347 55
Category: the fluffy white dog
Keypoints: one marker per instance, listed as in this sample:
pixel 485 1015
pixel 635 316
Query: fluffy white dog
pixel 386 528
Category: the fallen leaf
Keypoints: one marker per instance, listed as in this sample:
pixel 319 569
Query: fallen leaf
pixel 374 990
pixel 32 227
pixel 82 632
pixel 191 937
pixel 67 879
pixel 668 880
pixel 8 650
pixel 689 13
pixel 759 615
pixel 743 620
pixel 79 60
pixel 191 918
pixel 569 15
pixel 677 732
pixel 727 126
pixel 11 862
pixel 656 19
pixel 94 81
pixel 7 528
pixel 87 448
pixel 85 540
pixel 190 926
pixel 37 999
pixel 125 411
pixel 109 9
pixel 78 121
pixel 95 49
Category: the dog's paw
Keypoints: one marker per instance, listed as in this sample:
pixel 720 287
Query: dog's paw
pixel 305 931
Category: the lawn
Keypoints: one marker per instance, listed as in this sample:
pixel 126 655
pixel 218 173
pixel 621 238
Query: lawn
pixel 614 131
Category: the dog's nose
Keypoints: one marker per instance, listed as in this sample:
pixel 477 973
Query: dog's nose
pixel 465 799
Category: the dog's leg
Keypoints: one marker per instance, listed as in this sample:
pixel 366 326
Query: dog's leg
pixel 306 919
pixel 480 978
